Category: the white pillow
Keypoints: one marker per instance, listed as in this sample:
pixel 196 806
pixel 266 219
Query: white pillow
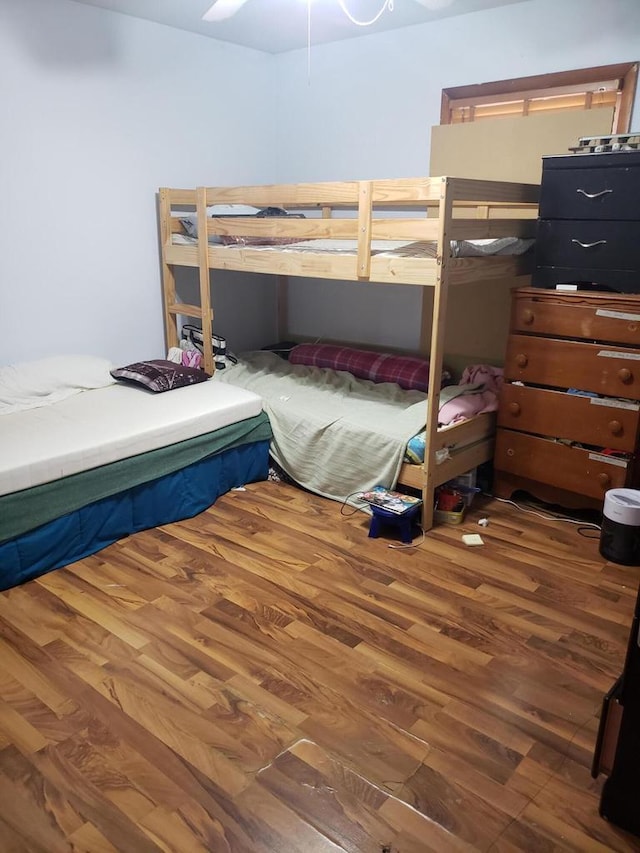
pixel 190 221
pixel 31 384
pixel 232 210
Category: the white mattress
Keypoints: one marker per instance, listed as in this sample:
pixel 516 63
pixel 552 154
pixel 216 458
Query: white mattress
pixel 107 424
pixel 384 248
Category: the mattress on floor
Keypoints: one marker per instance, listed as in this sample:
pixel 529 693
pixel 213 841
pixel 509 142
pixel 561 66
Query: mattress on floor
pixel 104 425
pixel 30 508
pixel 177 495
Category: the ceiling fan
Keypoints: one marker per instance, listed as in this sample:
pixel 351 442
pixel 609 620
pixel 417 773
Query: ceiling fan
pixel 220 10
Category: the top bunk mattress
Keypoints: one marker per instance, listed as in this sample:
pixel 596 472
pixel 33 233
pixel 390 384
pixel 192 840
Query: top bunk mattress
pixel 490 247
pixel 105 425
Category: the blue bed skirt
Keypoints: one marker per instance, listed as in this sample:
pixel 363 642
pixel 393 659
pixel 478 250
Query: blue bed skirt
pixel 181 494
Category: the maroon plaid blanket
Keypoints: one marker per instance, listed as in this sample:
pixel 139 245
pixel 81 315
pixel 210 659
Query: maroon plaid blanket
pixel 408 372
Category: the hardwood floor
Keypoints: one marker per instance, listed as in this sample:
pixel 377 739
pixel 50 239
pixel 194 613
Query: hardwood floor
pixel 265 678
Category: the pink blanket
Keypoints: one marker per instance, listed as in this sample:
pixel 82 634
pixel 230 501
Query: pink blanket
pixel 477 400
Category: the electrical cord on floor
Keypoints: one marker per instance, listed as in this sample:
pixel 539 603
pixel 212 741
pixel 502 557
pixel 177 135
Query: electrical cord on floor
pixel 582 532
pixel 583 525
pixel 354 509
pixel 409 544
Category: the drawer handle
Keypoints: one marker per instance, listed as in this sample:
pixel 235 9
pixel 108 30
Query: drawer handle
pixel 589 245
pixel 604 480
pixel 615 427
pixel 514 408
pixel 528 317
pixel 593 195
pixel 522 360
pixel 625 375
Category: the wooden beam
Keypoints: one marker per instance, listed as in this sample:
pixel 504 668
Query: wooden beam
pixel 168 277
pixel 365 205
pixel 205 281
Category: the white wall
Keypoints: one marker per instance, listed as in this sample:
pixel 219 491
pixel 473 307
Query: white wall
pixel 98 110
pixel 370 103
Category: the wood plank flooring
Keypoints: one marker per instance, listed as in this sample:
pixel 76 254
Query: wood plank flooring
pixel 266 678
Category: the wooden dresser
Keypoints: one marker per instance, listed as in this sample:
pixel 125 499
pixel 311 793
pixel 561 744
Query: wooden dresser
pixel 550 442
pixel 589 225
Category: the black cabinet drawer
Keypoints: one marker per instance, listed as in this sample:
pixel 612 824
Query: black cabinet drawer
pixel 623 281
pixel 585 244
pixel 594 193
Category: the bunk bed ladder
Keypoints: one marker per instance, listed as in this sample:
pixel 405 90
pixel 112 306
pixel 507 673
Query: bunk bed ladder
pixel 172 308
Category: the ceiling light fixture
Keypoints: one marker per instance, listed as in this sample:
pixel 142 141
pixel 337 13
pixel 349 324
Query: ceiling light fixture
pixel 220 10
pixel 387 4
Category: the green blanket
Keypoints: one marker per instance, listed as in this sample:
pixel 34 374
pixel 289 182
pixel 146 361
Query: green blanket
pixel 332 433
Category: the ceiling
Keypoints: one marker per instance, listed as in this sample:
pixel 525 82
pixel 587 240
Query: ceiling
pixel 276 26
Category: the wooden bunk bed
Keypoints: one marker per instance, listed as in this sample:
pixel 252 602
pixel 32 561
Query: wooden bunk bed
pixel 428 213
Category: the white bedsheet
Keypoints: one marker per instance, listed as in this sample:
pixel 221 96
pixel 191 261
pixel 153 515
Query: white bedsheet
pixel 31 384
pixel 107 424
pixel 385 248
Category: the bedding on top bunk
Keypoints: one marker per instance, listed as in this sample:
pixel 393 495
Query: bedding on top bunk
pixel 392 248
pixel 383 248
pixel 333 433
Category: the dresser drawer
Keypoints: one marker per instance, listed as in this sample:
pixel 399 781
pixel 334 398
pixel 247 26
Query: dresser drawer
pixel 588 420
pixel 577 316
pixel 593 245
pixel 595 193
pixel 569 468
pixel 624 281
pixel 603 368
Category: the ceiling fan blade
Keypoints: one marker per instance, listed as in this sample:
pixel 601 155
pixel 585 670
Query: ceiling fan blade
pixel 434 5
pixel 223 9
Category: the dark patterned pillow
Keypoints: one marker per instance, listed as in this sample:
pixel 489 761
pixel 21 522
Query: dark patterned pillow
pixel 159 375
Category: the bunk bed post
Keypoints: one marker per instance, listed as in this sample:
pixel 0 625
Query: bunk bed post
pixel 168 277
pixel 438 326
pixel 365 213
pixel 205 286
pixel 282 297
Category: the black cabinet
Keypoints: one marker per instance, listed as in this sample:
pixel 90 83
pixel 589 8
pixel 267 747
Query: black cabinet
pixel 589 226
